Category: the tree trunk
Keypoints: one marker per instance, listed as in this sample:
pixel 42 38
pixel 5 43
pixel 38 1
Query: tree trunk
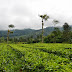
pixel 7 37
pixel 42 30
pixel 54 36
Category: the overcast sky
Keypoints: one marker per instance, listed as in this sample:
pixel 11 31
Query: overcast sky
pixel 24 13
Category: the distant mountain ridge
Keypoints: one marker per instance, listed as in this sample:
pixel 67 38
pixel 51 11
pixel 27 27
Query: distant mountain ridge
pixel 28 32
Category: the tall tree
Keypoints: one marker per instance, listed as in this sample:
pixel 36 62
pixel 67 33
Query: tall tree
pixel 43 17
pixel 55 29
pixel 55 22
pixel 66 32
pixel 10 26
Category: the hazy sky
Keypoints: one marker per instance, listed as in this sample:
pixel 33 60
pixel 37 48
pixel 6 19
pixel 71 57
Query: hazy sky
pixel 24 13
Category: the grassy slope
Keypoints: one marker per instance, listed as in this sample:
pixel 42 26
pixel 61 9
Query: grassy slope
pixel 36 57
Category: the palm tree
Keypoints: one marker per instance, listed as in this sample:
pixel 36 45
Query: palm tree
pixel 44 17
pixel 10 26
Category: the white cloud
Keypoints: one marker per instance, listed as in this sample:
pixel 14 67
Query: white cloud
pixel 24 13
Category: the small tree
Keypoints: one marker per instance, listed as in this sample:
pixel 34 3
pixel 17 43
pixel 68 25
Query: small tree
pixel 9 31
pixel 44 17
pixel 55 22
pixel 2 39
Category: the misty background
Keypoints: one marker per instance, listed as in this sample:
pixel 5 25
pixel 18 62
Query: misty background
pixel 24 13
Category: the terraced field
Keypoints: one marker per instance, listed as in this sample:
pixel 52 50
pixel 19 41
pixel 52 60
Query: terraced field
pixel 36 57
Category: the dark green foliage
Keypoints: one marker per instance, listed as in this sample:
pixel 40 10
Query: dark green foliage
pixel 66 27
pixel 11 26
pixel 11 32
pixel 66 33
pixel 45 16
pixel 54 37
pixel 58 36
pixel 34 40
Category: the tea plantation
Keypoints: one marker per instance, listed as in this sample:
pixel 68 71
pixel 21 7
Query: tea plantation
pixel 38 57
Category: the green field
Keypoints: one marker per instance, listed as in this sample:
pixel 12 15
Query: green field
pixel 38 57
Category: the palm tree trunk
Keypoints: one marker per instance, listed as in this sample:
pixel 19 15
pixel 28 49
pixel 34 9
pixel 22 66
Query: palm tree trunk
pixel 42 30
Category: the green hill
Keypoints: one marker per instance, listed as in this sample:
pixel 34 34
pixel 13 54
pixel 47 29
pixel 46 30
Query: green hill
pixel 27 32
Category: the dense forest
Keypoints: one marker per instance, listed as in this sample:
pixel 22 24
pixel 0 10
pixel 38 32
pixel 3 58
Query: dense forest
pixel 51 35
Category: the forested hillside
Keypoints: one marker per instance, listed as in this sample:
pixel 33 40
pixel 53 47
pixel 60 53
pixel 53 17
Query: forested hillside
pixel 28 32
